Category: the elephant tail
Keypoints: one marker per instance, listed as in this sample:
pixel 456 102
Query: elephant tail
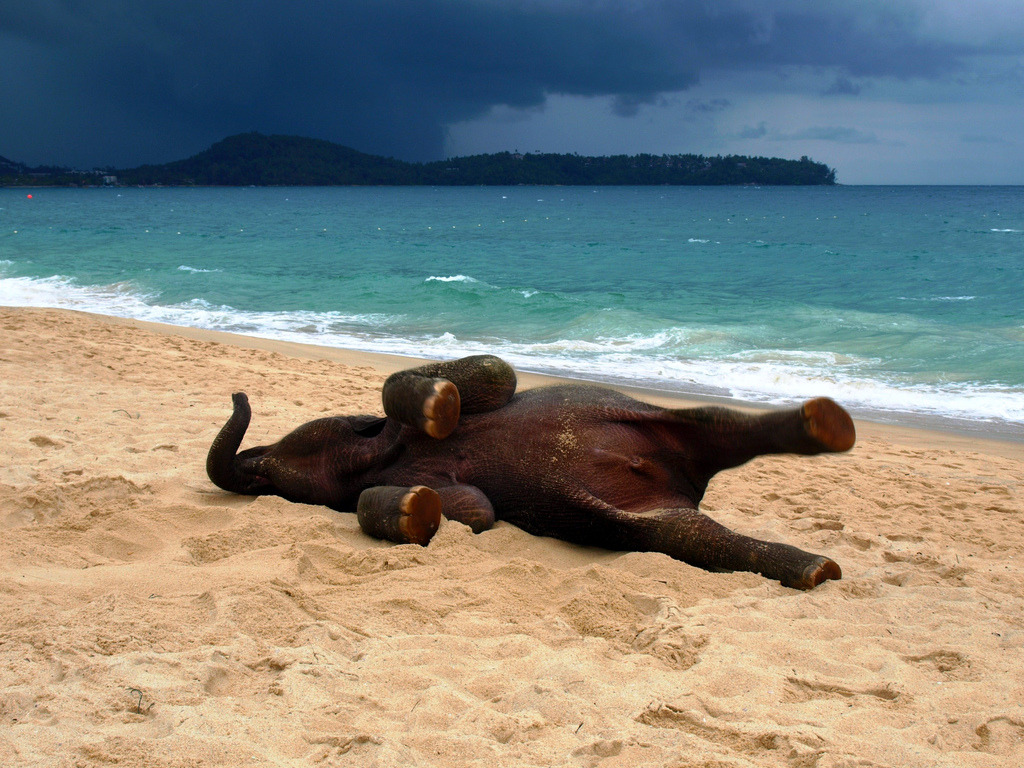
pixel 222 464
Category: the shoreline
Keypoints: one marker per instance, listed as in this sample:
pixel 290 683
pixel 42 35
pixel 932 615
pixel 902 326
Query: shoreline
pixel 912 427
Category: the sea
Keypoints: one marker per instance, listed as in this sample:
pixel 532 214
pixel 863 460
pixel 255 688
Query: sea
pixel 906 304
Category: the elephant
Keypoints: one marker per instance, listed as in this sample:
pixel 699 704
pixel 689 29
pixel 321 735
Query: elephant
pixel 579 462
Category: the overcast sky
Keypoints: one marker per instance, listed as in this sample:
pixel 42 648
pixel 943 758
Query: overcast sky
pixel 886 91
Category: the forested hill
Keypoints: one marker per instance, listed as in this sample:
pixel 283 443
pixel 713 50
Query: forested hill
pixel 255 159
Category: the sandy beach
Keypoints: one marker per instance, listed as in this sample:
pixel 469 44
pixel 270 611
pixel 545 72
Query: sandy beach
pixel 150 619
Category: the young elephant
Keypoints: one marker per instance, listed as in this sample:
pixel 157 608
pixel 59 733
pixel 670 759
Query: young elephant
pixel 581 463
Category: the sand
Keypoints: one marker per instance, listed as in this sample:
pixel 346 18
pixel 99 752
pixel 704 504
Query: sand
pixel 149 619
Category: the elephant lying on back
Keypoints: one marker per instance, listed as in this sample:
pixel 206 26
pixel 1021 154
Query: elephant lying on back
pixel 581 463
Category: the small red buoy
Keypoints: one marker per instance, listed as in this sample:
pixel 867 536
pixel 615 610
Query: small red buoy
pixel 30 197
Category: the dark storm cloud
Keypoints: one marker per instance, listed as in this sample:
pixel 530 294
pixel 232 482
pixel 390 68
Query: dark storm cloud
pixel 754 132
pixel 122 82
pixel 830 133
pixel 826 133
pixel 707 107
pixel 843 86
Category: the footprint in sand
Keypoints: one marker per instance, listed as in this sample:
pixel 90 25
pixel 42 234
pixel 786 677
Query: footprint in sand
pixel 1001 735
pixel 801 689
pixel 42 441
pixel 951 665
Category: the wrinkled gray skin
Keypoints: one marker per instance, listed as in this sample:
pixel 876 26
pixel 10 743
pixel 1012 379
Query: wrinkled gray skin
pixel 581 463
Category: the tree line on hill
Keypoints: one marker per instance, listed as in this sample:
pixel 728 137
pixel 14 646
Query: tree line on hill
pixel 14 174
pixel 252 159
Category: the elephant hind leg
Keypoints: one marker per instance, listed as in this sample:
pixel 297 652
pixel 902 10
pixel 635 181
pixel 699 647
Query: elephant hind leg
pixel 401 515
pixel 467 504
pixel 728 438
pixel 432 397
pixel 828 424
pixel 693 537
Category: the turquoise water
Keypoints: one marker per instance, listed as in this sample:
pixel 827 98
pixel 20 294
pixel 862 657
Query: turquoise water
pixel 897 301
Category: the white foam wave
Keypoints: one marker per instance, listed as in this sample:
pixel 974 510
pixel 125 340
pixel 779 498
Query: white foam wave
pixel 121 299
pixel 936 298
pixel 783 382
pixel 780 381
pixel 186 268
pixel 785 378
pixel 128 300
pixel 768 376
pixel 1006 230
pixel 452 279
pixel 526 293
pixel 698 240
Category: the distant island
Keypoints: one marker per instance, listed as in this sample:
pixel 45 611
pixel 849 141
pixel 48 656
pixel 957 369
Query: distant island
pixel 252 159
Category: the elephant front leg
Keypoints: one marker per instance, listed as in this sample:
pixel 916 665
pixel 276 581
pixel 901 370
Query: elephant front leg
pixel 694 538
pixel 468 505
pixel 401 515
pixel 412 515
pixel 432 397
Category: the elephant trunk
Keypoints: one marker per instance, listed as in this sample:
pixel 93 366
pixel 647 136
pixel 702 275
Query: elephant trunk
pixel 221 464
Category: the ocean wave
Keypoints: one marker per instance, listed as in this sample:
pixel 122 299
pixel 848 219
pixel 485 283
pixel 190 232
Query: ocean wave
pixel 186 268
pixel 127 299
pixel 781 378
pixel 1006 230
pixel 123 299
pixel 502 299
pixel 782 382
pixel 698 360
pixel 452 279
pixel 936 298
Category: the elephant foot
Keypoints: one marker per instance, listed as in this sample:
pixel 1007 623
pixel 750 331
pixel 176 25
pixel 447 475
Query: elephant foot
pixel 401 515
pixel 419 514
pixel 828 424
pixel 820 569
pixel 431 405
pixel 441 409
